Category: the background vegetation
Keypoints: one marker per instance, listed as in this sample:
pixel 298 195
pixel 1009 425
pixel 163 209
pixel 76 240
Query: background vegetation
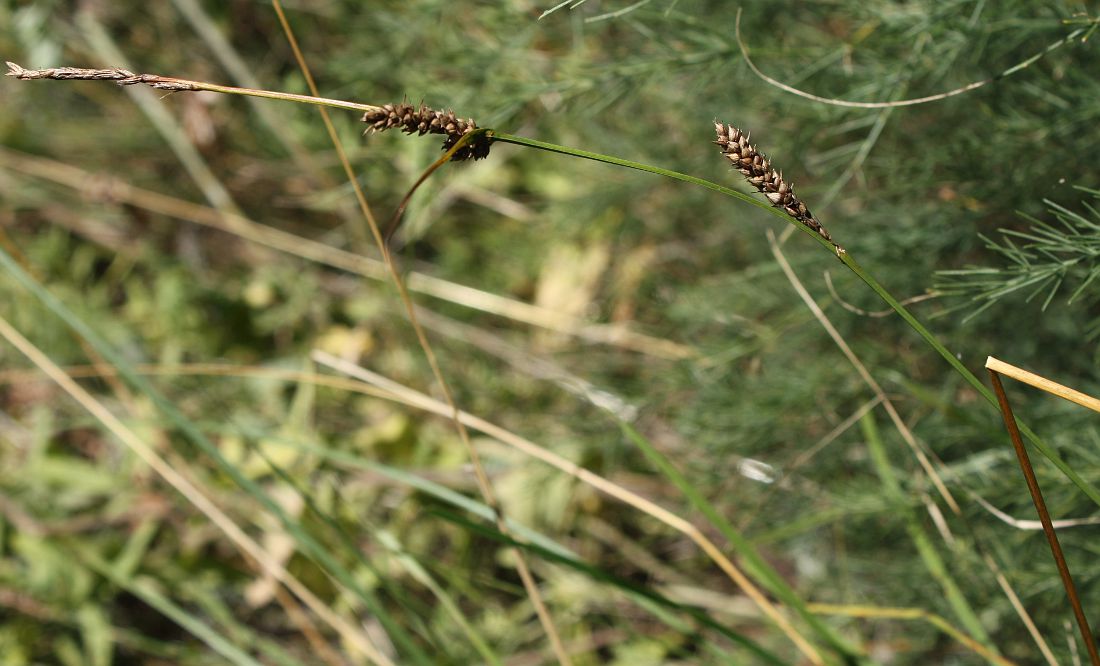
pixel 727 373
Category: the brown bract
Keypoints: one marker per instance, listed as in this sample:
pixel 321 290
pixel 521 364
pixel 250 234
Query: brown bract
pixel 422 120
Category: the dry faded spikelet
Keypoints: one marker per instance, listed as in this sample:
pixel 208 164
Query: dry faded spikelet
pixel 422 120
pixel 123 77
pixel 758 170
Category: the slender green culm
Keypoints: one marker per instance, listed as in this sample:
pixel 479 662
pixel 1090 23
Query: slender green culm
pixel 846 258
pixel 931 558
pixel 755 564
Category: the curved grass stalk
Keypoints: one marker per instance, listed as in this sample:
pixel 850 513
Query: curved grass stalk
pixel 422 401
pixel 916 100
pixel 930 339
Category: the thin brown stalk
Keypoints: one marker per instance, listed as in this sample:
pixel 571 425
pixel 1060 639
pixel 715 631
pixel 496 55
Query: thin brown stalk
pixel 1044 516
pixel 484 485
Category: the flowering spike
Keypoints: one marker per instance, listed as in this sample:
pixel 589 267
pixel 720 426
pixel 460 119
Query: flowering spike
pixel 422 120
pixel 758 170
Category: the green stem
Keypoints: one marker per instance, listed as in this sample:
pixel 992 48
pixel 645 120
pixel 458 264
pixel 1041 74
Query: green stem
pixel 597 157
pixel 955 363
pixel 931 558
pixel 847 259
pixel 755 564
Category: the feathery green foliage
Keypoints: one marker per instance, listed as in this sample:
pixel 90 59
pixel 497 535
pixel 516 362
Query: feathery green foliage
pixel 1039 260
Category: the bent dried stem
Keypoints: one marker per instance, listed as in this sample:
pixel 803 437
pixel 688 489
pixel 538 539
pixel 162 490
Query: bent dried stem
pixel 419 400
pixel 1081 32
pixel 125 77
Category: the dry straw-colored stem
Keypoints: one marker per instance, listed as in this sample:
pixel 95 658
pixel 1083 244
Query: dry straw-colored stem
pixel 915 446
pixel 1042 383
pixel 424 402
pixel 412 120
pixel 354 637
pixel 894 613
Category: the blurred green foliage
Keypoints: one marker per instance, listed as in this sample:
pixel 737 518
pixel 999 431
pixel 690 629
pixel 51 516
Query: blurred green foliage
pixel 100 562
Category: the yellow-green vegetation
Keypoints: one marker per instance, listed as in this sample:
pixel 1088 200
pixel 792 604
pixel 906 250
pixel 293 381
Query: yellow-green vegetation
pixel 687 435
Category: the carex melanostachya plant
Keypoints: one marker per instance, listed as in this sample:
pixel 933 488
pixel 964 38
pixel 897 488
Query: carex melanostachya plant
pixel 811 145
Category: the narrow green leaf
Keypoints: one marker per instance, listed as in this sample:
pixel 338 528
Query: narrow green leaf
pixel 754 563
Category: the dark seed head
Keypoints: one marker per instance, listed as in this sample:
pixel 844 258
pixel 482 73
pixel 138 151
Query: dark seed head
pixel 758 171
pixel 422 120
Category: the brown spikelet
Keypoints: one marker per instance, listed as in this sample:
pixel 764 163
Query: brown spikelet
pixel 758 170
pixel 422 120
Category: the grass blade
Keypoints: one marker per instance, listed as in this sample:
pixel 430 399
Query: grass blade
pixel 756 564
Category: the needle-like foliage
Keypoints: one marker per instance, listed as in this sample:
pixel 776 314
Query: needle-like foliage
pixel 1039 261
